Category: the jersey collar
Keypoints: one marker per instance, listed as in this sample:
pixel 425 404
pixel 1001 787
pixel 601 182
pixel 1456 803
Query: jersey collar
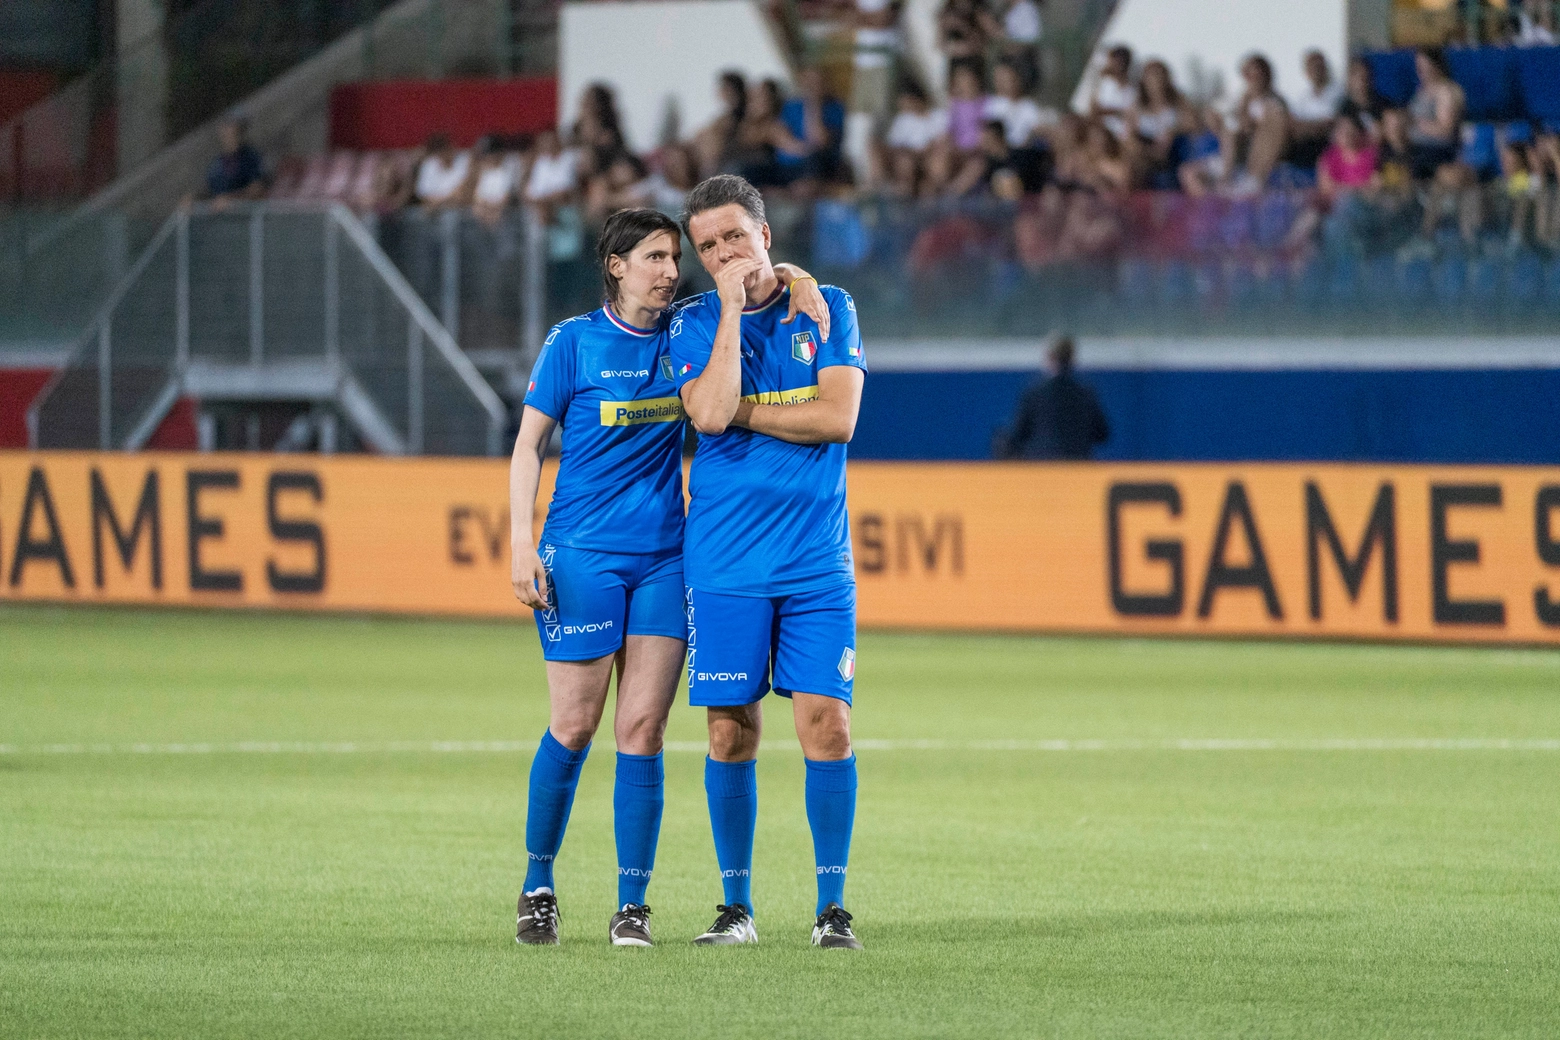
pixel 606 308
pixel 774 298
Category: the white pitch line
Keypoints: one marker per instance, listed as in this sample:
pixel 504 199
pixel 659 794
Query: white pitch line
pixel 868 744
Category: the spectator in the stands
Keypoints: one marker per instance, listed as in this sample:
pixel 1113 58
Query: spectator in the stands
pixel 1544 158
pixel 1202 168
pixel 760 137
pixel 716 140
pixel 1159 119
pixel 1435 114
pixel 966 106
pixel 622 186
pixel 1021 117
pixel 238 172
pixel 1346 168
pixel 1394 154
pixel 554 178
pixel 598 132
pixel 962 32
pixel 875 55
pixel 1114 92
pixel 1349 161
pixel 815 121
pixel 1106 167
pixel 1360 99
pixel 666 189
pixel 444 174
pixel 1535 24
pixel 1058 417
pixel 1312 110
pixel 1020 39
pixel 497 176
pixel 998 168
pixel 975 172
pixel 915 138
pixel 1261 134
pixel 1522 180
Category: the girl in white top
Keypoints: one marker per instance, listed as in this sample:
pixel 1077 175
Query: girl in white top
pixel 1158 116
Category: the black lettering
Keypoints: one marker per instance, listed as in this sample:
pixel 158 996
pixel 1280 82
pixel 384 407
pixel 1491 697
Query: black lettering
pixel 1221 574
pixel 1548 550
pixel 29 548
pixel 1444 552
pixel 493 533
pixel 295 530
pixel 1380 528
pixel 148 515
pixel 930 550
pixel 873 557
pixel 458 553
pixel 203 527
pixel 1168 550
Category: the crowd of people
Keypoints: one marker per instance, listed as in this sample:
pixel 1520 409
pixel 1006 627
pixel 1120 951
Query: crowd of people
pixel 1371 176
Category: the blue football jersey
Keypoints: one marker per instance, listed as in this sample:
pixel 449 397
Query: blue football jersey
pixel 610 386
pixel 767 517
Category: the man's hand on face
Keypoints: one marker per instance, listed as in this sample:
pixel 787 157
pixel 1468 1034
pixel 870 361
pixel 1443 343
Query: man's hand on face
pixel 730 281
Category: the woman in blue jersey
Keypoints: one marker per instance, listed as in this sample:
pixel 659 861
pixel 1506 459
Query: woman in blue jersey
pixel 606 578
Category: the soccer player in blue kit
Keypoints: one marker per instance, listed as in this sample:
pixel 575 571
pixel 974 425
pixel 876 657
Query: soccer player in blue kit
pixel 606 579
pixel 767 555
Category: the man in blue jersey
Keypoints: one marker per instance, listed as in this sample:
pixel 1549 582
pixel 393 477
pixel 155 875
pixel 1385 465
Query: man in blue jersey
pixel 767 558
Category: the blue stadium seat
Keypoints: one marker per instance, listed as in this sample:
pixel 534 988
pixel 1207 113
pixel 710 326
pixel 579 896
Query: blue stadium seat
pixel 1343 280
pixel 1135 282
pixel 1275 216
pixel 1241 284
pixel 1538 80
pixel 1484 278
pixel 1525 278
pixel 1413 278
pixel 1448 279
pixel 1379 276
pixel 1310 282
pixel 1552 284
pixel 840 238
pixel 1480 149
pixel 1235 227
pixel 1176 283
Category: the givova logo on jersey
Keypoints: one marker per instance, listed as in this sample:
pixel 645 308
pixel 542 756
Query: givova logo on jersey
pixel 804 348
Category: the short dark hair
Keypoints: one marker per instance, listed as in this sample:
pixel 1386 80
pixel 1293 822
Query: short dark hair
pixel 723 189
pixel 622 233
pixel 1062 353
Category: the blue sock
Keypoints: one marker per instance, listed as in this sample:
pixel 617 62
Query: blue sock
pixel 732 789
pixel 831 812
pixel 637 800
pixel 555 772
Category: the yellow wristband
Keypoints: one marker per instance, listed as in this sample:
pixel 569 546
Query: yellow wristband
pixel 803 278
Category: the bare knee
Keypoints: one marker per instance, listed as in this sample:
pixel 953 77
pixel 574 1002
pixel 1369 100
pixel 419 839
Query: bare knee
pixel 823 727
pixel 734 733
pixel 573 731
pixel 640 733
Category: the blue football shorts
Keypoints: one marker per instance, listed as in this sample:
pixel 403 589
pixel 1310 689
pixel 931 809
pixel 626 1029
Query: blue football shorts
pixel 594 599
pixel 806 641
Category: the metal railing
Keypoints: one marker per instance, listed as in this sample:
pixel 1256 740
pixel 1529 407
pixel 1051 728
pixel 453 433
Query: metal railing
pixel 270 302
pixel 206 58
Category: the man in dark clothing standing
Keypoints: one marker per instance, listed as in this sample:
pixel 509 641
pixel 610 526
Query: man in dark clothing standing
pixel 1058 417
pixel 238 173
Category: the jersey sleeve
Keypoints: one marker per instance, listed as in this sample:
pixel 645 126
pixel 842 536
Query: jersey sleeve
pixel 692 339
pixel 844 345
pixel 551 385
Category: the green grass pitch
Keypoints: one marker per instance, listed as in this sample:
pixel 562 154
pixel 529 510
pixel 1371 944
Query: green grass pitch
pixel 1320 886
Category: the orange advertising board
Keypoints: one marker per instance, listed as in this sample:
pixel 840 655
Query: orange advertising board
pixel 1466 554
